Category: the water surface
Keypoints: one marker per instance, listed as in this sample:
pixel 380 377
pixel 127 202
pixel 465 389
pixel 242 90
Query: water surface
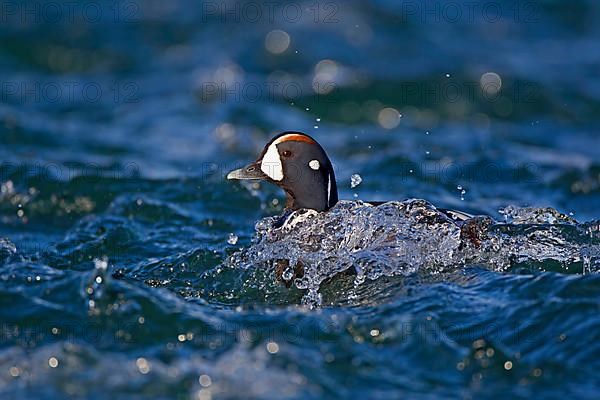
pixel 127 261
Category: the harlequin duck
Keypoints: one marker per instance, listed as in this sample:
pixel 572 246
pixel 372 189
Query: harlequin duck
pixel 295 162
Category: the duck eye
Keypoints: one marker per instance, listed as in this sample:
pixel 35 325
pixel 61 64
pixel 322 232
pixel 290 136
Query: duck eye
pixel 287 153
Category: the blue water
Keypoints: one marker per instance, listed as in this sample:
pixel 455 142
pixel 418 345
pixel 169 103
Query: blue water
pixel 128 267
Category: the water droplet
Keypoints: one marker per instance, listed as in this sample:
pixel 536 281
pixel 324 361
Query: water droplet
pixel 462 192
pixel 101 264
pixel 233 239
pixel 355 180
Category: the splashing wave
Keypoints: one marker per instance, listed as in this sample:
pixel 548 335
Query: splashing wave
pixel 401 238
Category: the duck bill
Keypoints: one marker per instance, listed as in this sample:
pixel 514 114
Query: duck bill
pixel 251 171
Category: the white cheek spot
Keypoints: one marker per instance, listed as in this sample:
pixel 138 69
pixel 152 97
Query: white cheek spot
pixel 271 163
pixel 314 164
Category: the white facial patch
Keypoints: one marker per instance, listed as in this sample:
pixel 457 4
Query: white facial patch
pixel 314 164
pixel 271 163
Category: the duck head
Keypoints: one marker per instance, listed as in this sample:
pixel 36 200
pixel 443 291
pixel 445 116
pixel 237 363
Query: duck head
pixel 295 162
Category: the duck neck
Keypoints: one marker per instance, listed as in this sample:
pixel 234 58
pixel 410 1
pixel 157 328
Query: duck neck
pixel 319 195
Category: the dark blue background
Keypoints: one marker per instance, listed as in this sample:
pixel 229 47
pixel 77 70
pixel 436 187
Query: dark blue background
pixel 119 119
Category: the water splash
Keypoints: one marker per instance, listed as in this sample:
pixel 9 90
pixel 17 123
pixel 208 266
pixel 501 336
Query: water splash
pixel 355 180
pixel 232 239
pixel 7 248
pixel 401 238
pixel 532 215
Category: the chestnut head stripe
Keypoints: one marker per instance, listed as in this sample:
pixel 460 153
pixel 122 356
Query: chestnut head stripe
pixel 296 137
